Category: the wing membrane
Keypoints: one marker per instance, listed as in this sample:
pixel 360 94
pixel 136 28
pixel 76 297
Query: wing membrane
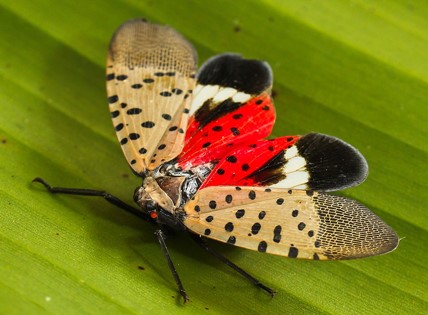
pixel 150 76
pixel 231 105
pixel 293 223
pixel 313 161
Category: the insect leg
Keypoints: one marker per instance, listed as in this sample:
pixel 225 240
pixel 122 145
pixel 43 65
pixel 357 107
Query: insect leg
pixel 219 256
pixel 161 238
pixel 90 192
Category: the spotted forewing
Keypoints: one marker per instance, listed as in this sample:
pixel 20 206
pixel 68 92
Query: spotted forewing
pixel 150 77
pixel 293 223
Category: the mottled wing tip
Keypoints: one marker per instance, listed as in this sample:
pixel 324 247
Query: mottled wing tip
pixel 231 70
pixel 349 230
pixel 332 163
pixel 138 43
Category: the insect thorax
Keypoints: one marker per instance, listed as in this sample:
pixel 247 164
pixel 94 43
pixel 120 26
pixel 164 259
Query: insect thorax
pixel 165 190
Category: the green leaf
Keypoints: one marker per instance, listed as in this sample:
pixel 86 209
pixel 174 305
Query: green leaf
pixel 357 70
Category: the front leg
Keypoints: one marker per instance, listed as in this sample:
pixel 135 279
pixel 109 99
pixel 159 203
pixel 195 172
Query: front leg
pixel 100 193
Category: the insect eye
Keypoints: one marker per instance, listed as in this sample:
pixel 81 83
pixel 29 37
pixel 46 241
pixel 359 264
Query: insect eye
pixel 136 194
pixel 150 206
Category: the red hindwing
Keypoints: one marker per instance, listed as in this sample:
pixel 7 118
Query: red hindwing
pixel 211 141
pixel 253 163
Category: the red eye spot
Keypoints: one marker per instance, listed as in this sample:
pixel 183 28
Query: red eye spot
pixel 153 215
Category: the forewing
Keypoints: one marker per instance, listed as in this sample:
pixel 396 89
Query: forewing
pixel 293 223
pixel 231 105
pixel 314 162
pixel 150 76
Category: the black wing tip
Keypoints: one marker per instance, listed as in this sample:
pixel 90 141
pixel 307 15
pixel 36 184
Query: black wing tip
pixel 332 163
pixel 231 70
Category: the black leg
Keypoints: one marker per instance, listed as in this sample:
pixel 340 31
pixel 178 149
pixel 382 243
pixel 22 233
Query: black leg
pixel 161 238
pixel 219 256
pixel 90 192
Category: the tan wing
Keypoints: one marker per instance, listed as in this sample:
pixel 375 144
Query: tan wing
pixel 150 77
pixel 292 223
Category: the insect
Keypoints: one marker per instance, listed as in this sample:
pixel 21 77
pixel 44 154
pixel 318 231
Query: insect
pixel 198 143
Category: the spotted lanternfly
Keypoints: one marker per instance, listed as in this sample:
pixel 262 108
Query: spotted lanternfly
pixel 199 144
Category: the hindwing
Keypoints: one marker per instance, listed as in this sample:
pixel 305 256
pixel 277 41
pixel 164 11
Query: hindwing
pixel 231 105
pixel 312 162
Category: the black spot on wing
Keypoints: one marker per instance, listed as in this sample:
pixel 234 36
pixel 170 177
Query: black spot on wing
pixel 112 99
pixel 148 124
pixel 232 240
pixel 230 70
pixel 134 136
pixel 232 159
pixel 166 116
pixel 134 111
pixel 124 141
pixel 262 247
pixel 118 127
pixel 245 167
pixel 255 228
pixel 115 113
pixel 240 213
pixel 293 252
pixel 229 227
pixel 165 93
pixel 122 77
pixel 277 234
